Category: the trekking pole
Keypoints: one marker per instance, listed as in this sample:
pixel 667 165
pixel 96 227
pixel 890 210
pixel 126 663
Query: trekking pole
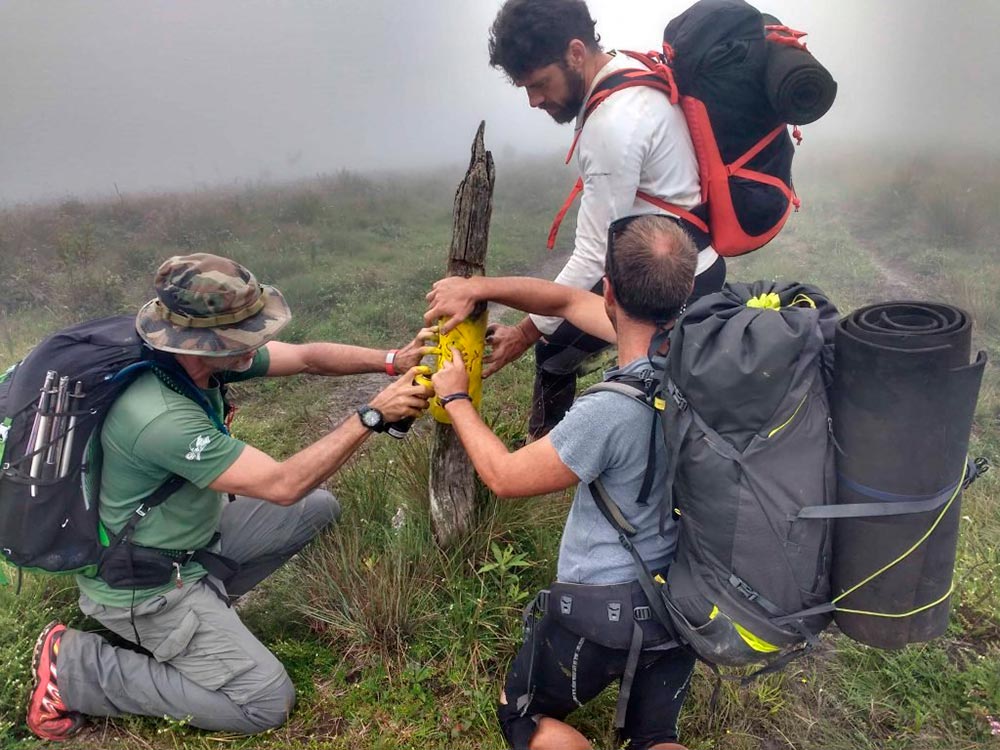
pixel 57 434
pixel 67 451
pixel 41 435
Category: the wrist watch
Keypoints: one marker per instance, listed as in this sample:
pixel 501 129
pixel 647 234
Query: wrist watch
pixel 371 418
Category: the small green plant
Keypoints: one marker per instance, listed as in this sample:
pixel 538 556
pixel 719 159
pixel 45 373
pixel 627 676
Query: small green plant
pixel 505 565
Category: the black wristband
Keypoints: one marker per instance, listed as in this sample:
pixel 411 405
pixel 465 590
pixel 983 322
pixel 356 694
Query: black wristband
pixel 455 397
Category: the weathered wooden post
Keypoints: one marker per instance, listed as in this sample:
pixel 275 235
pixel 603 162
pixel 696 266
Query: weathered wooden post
pixel 452 486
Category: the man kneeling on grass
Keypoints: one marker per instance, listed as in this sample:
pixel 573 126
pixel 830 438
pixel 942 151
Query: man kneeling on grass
pixel 597 626
pixel 211 324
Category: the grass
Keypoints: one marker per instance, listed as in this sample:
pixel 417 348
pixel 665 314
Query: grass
pixel 393 642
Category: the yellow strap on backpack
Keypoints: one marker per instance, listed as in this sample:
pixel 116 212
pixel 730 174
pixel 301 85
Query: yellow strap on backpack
pixel 469 337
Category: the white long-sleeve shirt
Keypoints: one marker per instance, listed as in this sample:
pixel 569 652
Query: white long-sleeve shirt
pixel 636 140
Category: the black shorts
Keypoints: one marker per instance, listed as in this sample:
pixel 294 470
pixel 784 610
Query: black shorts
pixel 570 671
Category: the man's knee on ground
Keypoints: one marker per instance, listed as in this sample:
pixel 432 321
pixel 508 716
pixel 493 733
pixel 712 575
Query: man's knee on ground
pixel 321 508
pixel 516 729
pixel 271 708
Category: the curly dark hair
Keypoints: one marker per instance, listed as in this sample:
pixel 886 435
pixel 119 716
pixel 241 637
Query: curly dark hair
pixel 650 263
pixel 530 34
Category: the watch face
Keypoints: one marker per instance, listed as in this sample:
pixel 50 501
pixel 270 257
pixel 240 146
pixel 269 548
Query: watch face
pixel 371 417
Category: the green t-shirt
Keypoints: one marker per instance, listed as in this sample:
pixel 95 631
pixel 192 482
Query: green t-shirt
pixel 152 433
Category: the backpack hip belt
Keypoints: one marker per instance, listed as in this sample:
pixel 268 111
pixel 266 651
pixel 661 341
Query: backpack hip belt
pixel 616 616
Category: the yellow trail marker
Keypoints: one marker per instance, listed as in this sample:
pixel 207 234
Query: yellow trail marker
pixel 469 337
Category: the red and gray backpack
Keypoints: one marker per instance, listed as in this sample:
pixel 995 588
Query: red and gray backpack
pixel 740 77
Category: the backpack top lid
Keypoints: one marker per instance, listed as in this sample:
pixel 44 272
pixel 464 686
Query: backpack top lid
pixel 94 349
pixel 696 33
pixel 735 361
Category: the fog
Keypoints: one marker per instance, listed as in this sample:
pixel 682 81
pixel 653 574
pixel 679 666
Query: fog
pixel 138 95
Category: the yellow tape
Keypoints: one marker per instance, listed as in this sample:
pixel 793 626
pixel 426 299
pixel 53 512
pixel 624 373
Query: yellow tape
pixel 755 642
pixel 469 337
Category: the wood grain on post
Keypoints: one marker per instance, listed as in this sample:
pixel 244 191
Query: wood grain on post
pixel 452 478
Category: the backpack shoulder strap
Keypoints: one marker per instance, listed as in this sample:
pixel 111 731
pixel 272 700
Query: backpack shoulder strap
pixel 160 494
pixel 635 392
pixel 176 379
pixel 654 73
pixel 610 510
pixel 623 387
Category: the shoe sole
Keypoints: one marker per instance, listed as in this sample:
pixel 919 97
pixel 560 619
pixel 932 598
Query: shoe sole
pixel 36 657
pixel 36 663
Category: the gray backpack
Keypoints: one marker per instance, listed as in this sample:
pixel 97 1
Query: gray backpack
pixel 746 423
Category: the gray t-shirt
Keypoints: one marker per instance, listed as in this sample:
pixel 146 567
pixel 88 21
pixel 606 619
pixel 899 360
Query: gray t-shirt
pixel 606 435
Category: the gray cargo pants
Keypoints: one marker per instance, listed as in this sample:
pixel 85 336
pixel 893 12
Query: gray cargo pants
pixel 206 666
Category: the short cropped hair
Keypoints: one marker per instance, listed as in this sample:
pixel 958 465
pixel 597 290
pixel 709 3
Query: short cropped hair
pixel 530 34
pixel 650 263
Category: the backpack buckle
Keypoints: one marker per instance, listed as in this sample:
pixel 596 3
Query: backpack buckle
pixel 542 601
pixel 744 588
pixel 566 605
pixel 641 614
pixel 186 557
pixel 676 395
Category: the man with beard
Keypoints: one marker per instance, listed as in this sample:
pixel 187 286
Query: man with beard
pixel 634 144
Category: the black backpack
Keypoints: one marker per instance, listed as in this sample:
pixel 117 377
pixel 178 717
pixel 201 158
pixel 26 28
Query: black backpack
pixel 53 403
pixel 739 77
pixel 745 417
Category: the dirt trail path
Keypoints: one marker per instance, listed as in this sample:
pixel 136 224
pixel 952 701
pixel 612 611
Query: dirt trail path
pixel 898 283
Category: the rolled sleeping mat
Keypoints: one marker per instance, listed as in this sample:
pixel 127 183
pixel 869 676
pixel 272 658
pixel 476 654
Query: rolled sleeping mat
pixel 903 399
pixel 798 87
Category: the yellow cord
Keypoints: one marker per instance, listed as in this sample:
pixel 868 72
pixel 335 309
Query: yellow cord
pixel 780 427
pixel 902 557
pixel 912 612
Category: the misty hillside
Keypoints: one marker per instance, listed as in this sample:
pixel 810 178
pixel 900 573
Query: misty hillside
pixel 392 642
pixel 116 95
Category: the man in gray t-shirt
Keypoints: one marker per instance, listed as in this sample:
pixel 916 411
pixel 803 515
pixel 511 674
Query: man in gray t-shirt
pixel 606 435
pixel 649 274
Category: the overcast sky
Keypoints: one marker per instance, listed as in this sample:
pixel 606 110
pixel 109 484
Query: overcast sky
pixel 154 94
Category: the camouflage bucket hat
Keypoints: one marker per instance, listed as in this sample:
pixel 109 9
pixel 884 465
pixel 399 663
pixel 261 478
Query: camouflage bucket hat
pixel 211 306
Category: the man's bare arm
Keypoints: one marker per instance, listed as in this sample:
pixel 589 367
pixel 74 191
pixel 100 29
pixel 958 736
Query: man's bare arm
pixel 322 358
pixel 454 298
pixel 256 474
pixel 533 470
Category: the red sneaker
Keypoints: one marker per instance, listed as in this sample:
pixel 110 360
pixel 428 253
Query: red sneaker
pixel 48 716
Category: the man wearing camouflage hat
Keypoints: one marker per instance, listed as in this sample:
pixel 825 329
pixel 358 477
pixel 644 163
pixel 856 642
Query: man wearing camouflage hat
pixel 211 324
